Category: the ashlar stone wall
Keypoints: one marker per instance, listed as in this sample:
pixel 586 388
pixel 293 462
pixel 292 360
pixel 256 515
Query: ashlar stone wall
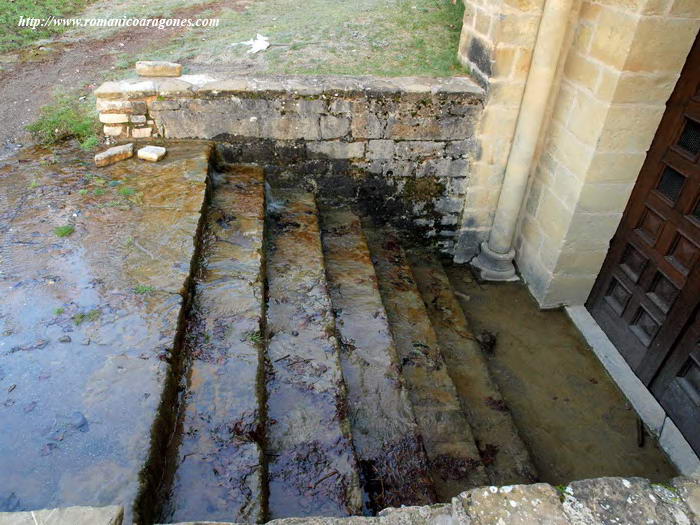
pixel 620 69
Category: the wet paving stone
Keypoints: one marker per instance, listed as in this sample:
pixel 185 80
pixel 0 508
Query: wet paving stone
pixel 93 267
pixel 312 466
pixel 503 452
pixel 455 464
pixel 219 472
pixel 390 451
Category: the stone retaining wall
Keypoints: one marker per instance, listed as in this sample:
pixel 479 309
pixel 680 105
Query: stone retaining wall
pixel 597 501
pixel 402 147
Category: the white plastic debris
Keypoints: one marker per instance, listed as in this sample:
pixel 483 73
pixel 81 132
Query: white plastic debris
pixel 259 43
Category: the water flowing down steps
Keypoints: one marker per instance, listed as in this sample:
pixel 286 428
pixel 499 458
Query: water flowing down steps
pixel 312 466
pixel 389 448
pixel 219 464
pixel 454 458
pixel 503 452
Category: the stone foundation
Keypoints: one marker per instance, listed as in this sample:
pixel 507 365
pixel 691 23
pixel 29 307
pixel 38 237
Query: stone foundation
pixel 400 147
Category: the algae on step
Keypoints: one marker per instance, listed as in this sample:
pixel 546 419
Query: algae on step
pixel 389 448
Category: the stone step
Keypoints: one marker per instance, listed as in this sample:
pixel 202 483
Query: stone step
pixel 455 464
pixel 219 472
pixel 393 465
pixel 312 466
pixel 503 452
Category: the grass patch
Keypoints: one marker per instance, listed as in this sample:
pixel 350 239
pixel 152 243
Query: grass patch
pixel 67 117
pixel 374 37
pixel 13 36
pixel 59 311
pixel 98 192
pixel 33 185
pixel 255 337
pixel 126 191
pixel 142 289
pixel 84 317
pixel 64 231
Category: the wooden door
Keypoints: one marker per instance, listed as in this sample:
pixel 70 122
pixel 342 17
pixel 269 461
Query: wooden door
pixel 649 287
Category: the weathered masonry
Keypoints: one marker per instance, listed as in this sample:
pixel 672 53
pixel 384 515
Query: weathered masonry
pixel 401 146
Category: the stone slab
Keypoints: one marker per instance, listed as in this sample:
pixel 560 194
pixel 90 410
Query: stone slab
pixel 89 320
pixel 112 515
pixel 151 153
pixel 114 154
pixel 158 68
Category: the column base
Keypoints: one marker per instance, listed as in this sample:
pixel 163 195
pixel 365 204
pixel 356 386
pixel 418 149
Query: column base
pixel 492 266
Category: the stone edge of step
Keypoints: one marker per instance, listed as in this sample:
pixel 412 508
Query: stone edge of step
pixel 578 502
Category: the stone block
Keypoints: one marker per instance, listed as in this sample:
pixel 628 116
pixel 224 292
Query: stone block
pixel 511 505
pixel 137 119
pixel 661 44
pixel 112 515
pixel 158 68
pixel 114 106
pixel 613 36
pixel 427 515
pixel 114 154
pixel 151 153
pixel 113 131
pixel 617 500
pixel 336 149
pixel 411 149
pixel 678 449
pixel 114 118
pixel 380 149
pixel 141 133
pixel 334 127
pixel 689 491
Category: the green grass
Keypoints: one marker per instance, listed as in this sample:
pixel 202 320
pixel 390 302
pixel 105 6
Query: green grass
pixel 67 117
pixel 377 37
pixel 59 311
pixel 90 316
pixel 13 36
pixel 33 185
pixel 64 231
pixel 98 192
pixel 126 191
pixel 142 289
pixel 255 337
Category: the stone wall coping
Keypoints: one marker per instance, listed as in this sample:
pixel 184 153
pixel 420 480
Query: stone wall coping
pixel 204 85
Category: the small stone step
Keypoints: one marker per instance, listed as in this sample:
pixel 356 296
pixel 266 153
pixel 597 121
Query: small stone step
pixel 455 464
pixel 219 472
pixel 387 442
pixel 504 454
pixel 312 466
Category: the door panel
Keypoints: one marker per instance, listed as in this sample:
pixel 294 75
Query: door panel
pixel 677 386
pixel 649 287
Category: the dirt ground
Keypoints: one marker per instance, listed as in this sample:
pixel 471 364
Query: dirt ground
pixel 29 77
pixel 570 413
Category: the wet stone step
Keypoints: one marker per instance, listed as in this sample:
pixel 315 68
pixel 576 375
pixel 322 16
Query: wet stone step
pixel 91 300
pixel 219 472
pixel 503 452
pixel 312 467
pixel 455 464
pixel 387 442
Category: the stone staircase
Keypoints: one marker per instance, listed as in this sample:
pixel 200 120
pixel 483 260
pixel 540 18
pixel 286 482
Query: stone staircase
pixel 331 370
